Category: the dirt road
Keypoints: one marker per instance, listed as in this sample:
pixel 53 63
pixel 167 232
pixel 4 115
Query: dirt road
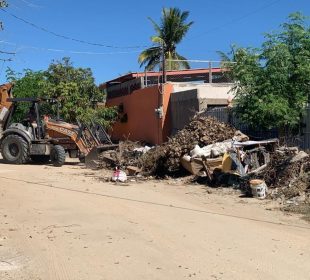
pixel 64 223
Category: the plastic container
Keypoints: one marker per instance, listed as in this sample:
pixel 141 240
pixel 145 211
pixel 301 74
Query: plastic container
pixel 258 188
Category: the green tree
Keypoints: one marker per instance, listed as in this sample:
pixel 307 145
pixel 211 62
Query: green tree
pixel 77 93
pixel 74 88
pixel 169 33
pixel 272 83
pixel 28 84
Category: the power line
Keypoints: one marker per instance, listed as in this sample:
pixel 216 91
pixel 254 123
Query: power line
pixel 236 19
pixel 67 37
pixel 6 59
pixel 30 4
pixel 66 51
pixel 7 52
pixel 158 204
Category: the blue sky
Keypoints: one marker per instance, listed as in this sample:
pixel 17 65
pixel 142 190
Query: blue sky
pixel 217 25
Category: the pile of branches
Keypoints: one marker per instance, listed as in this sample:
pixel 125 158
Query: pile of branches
pixel 290 178
pixel 202 131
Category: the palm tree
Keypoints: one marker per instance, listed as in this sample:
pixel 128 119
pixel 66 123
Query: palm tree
pixel 228 61
pixel 169 33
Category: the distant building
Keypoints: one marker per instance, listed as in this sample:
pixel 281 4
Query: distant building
pixel 151 111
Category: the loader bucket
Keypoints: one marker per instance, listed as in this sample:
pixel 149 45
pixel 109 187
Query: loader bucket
pixel 92 158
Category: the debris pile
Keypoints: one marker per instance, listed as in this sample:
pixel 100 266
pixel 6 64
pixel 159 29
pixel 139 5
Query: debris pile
pixel 288 173
pixel 201 131
pixel 205 148
pixel 126 154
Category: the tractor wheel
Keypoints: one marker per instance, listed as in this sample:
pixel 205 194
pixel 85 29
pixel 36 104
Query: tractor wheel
pixel 58 155
pixel 40 159
pixel 14 149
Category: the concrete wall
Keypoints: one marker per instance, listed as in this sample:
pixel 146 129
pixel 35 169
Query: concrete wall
pixel 215 93
pixel 188 99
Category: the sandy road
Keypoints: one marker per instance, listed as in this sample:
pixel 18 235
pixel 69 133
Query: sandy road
pixel 64 223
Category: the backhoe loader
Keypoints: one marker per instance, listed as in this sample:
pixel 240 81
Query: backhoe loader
pixel 43 139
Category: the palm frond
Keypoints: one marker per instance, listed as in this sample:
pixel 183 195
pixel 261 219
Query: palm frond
pixel 157 40
pixel 223 56
pixel 149 55
pixel 155 25
pixel 171 30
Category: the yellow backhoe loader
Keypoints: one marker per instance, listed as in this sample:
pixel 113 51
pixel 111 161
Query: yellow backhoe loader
pixel 43 139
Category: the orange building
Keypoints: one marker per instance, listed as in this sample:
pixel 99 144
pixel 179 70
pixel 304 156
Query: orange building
pixel 144 103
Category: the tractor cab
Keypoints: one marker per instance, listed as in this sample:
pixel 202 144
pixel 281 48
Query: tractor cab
pixel 29 119
pixel 24 134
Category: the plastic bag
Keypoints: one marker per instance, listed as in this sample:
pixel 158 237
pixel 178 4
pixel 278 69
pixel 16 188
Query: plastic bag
pixel 119 176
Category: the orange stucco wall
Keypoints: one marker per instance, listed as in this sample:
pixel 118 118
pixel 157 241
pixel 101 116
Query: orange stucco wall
pixel 143 123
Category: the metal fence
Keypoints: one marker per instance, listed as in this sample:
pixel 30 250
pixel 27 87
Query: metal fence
pixel 302 139
pixel 305 135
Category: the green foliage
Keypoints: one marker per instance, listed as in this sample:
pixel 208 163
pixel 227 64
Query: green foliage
pixel 74 88
pixel 273 81
pixel 28 84
pixel 170 32
pixel 101 115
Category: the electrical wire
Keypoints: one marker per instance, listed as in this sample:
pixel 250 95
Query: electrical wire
pixel 235 19
pixel 157 204
pixel 19 49
pixel 6 59
pixel 31 5
pixel 4 52
pixel 67 37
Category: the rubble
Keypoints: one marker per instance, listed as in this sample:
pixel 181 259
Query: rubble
pixel 125 155
pixel 288 174
pixel 165 159
pixel 206 146
pixel 201 131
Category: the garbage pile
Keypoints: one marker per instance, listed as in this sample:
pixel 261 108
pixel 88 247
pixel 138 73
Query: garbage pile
pixel 214 150
pixel 166 159
pixel 126 154
pixel 288 173
pixel 201 131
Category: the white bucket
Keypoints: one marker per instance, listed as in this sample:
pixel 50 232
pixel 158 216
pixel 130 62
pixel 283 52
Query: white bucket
pixel 259 188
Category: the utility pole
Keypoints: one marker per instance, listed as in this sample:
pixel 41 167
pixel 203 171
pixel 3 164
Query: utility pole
pixel 163 62
pixel 210 72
